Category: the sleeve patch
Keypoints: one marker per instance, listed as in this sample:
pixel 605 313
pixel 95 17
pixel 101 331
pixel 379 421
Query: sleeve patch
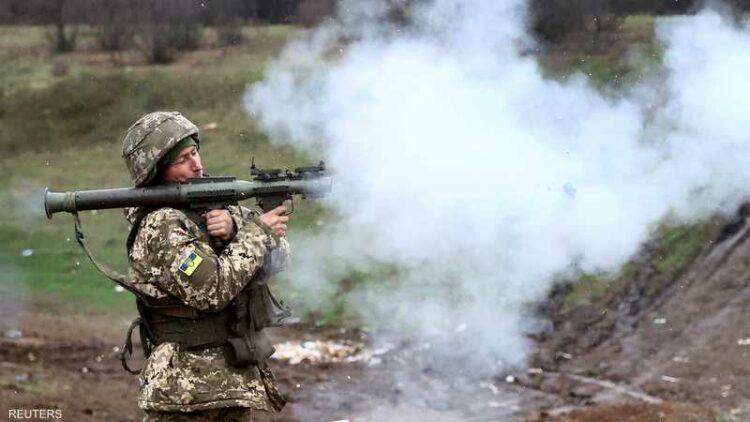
pixel 190 263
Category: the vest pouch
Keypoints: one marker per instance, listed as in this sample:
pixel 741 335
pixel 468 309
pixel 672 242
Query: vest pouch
pixel 238 352
pixel 263 346
pixel 252 348
pixel 266 309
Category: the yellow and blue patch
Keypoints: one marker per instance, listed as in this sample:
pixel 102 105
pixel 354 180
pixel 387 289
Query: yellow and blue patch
pixel 191 263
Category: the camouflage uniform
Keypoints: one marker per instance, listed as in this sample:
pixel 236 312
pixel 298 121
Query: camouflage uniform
pixel 172 255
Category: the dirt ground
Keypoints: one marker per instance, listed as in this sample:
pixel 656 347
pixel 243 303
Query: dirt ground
pixel 69 363
pixel 688 342
pixel 53 364
pixel 677 355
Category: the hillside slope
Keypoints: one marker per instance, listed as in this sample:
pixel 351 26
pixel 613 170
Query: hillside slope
pixel 686 341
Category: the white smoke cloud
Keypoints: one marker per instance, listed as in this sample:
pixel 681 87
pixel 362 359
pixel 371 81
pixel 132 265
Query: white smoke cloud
pixel 459 162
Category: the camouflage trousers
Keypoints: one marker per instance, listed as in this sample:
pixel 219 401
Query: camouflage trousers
pixel 229 414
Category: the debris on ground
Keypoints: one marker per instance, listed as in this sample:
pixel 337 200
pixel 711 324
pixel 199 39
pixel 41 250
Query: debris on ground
pixel 323 351
pixel 13 334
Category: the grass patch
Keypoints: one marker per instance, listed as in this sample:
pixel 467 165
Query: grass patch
pixel 22 37
pixel 676 247
pixel 87 110
pixel 44 260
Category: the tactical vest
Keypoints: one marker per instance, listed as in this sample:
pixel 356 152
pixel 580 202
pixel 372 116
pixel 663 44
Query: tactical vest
pixel 238 328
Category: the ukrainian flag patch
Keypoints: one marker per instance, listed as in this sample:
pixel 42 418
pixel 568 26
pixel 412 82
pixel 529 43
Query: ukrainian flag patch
pixel 190 263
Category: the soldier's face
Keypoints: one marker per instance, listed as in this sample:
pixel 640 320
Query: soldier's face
pixel 186 165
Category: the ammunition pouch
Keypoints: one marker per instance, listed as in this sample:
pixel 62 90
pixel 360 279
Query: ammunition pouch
pixel 248 350
pixel 254 309
pixel 266 310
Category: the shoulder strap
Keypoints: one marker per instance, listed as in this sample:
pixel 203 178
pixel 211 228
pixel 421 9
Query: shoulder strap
pixel 137 220
pixel 113 275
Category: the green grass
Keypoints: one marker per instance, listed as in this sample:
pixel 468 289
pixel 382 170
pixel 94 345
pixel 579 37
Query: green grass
pixel 677 246
pixel 22 37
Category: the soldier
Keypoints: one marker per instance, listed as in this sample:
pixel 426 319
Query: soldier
pixel 201 278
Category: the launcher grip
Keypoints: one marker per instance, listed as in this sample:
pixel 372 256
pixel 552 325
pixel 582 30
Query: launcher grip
pixel 267 203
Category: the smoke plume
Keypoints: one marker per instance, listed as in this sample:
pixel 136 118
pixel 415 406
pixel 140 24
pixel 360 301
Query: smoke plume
pixel 458 162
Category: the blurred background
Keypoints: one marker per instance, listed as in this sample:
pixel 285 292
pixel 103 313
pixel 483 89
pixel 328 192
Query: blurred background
pixel 74 74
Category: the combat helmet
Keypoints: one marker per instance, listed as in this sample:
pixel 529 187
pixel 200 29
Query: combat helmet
pixel 149 139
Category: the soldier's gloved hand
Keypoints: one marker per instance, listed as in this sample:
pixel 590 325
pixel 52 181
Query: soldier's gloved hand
pixel 276 220
pixel 220 224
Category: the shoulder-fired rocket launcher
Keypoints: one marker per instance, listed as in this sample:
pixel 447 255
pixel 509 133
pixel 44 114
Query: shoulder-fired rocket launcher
pixel 270 188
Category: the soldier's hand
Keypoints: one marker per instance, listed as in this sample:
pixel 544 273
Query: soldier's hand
pixel 220 224
pixel 276 220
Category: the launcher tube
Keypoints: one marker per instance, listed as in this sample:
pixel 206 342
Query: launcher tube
pixel 194 193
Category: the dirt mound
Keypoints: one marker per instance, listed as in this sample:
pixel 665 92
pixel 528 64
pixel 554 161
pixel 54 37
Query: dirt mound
pixel 688 340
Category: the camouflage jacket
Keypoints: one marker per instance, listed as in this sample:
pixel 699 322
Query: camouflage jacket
pixel 171 255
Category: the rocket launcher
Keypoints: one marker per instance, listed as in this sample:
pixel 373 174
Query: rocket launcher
pixel 270 188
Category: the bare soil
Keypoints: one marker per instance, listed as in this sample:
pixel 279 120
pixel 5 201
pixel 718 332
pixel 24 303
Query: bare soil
pixel 688 342
pixel 68 362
